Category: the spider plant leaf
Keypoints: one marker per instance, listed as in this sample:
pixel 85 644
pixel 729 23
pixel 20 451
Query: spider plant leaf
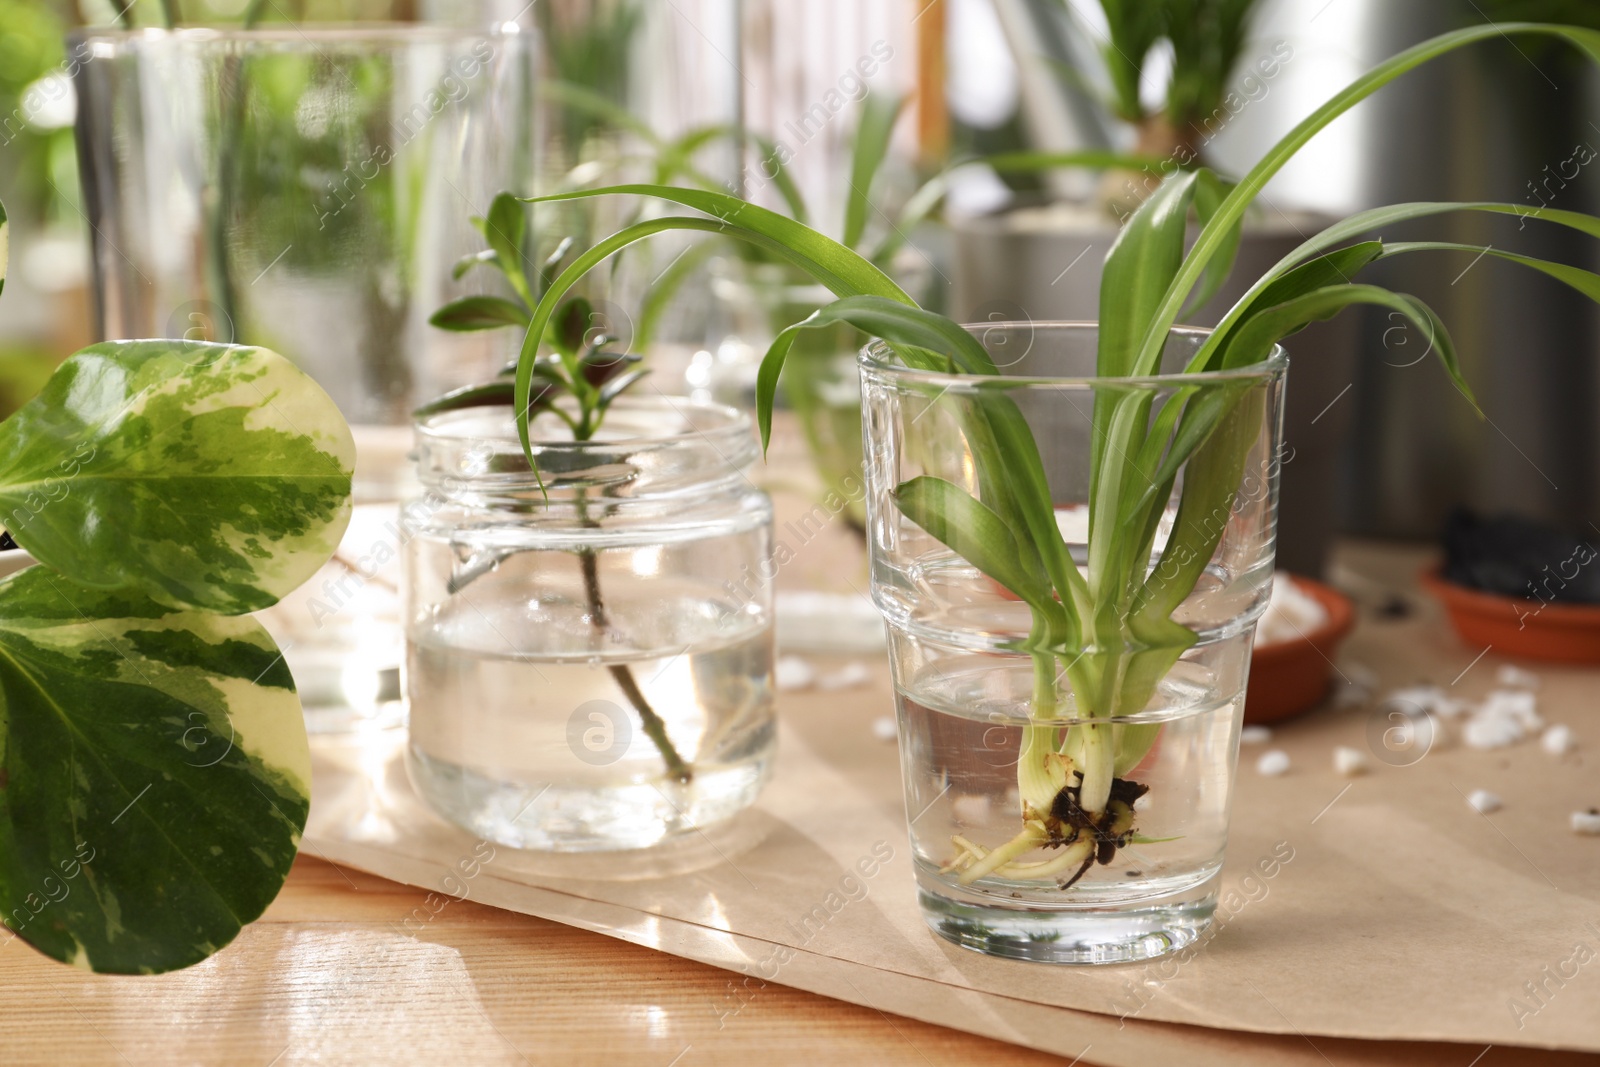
pixel 879 113
pixel 781 179
pixel 1002 443
pixel 1364 222
pixel 585 101
pixel 208 476
pixel 1138 271
pixel 506 230
pixel 1215 234
pixel 975 533
pixel 1255 336
pixel 1088 159
pixel 478 313
pixel 1209 193
pixel 157 776
pixel 1584 281
pixel 831 264
pixel 1211 480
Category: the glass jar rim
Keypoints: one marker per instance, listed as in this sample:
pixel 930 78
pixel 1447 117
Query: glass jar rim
pixel 317 33
pixel 878 356
pixel 731 422
pixel 477 449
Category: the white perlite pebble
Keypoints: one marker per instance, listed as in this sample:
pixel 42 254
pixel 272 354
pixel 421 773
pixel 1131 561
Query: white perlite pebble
pixel 1491 731
pixel 1516 677
pixel 1428 698
pixel 1255 735
pixel 883 728
pixel 1586 822
pixel 1350 761
pixel 1557 740
pixel 1515 704
pixel 1273 763
pixel 792 673
pixel 1484 801
pixel 970 808
pixel 850 676
pixel 1291 613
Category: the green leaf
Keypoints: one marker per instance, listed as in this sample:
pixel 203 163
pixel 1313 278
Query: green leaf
pixel 1355 225
pixel 154 775
pixel 962 523
pixel 506 230
pixel 1255 337
pixel 1216 233
pixel 833 265
pixel 1090 159
pixel 1209 193
pixel 487 257
pixel 208 476
pixel 1585 282
pixel 479 313
pixel 878 116
pixel 1139 268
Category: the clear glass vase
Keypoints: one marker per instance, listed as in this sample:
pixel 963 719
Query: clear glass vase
pixel 589 664
pixel 988 711
pixel 307 189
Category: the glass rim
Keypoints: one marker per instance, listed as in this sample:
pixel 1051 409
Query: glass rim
pixel 310 34
pixel 877 356
pixel 734 424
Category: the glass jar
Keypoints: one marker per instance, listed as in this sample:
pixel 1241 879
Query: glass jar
pixel 589 664
pixel 1069 785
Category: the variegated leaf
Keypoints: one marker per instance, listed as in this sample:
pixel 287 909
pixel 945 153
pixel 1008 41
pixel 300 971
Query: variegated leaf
pixel 154 775
pixel 209 476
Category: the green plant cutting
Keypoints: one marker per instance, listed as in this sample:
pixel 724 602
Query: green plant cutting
pixel 154 770
pixel 1103 635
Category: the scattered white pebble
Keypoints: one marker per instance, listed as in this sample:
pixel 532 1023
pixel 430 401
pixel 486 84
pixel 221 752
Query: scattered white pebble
pixel 1491 731
pixel 1516 677
pixel 1516 704
pixel 791 673
pixel 883 728
pixel 1255 735
pixel 1557 740
pixel 1428 698
pixel 850 676
pixel 971 808
pixel 1291 613
pixel 1273 763
pixel 1484 801
pixel 1586 822
pixel 1350 761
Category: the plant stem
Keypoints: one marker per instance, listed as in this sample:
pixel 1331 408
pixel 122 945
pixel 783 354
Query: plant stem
pixel 654 727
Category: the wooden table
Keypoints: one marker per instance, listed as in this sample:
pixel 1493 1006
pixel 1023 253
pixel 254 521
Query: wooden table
pixel 330 976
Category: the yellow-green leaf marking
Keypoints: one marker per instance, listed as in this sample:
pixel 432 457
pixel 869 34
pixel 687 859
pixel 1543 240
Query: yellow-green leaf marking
pixel 207 476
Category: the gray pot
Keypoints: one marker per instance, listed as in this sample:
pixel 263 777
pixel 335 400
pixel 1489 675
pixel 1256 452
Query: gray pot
pixel 1045 263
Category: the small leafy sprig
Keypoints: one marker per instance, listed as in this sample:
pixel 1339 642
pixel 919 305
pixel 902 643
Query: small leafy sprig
pixel 1107 629
pixel 583 367
pixel 577 382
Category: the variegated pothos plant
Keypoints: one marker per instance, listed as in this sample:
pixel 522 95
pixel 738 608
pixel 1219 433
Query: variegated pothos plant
pixel 154 770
